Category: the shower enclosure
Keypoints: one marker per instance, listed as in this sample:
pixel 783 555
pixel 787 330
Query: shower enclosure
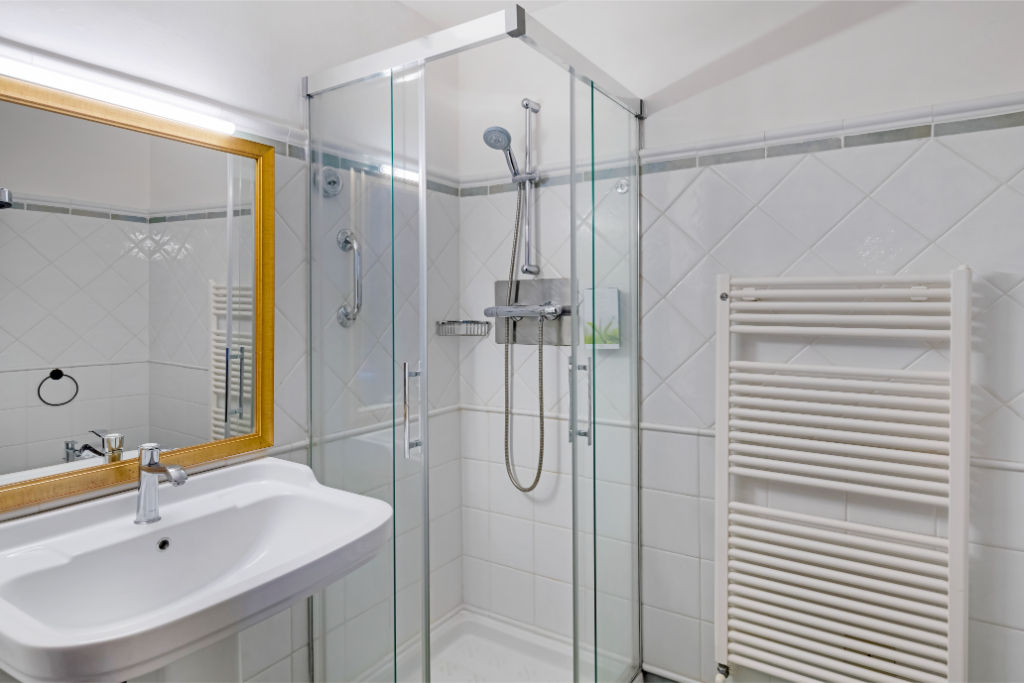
pixel 411 232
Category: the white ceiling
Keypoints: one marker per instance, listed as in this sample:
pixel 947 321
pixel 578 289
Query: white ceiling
pixel 645 45
pixel 253 54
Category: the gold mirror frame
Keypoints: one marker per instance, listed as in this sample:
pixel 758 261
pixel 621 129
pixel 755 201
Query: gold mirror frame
pixel 34 492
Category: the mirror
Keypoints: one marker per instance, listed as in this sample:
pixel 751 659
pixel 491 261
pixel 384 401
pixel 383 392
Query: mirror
pixel 136 293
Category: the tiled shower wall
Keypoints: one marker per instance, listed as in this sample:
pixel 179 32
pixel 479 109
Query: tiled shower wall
pixel 923 204
pixel 517 547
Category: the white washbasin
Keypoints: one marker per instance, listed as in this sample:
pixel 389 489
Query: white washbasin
pixel 88 595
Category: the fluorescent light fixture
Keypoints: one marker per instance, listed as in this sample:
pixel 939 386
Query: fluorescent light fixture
pixel 95 91
pixel 411 176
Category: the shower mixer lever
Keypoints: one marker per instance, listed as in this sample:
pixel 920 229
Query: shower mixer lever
pixel 547 311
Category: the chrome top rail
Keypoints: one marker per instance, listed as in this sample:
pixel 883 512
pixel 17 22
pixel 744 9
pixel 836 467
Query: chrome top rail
pixel 490 27
pixel 546 311
pixel 512 22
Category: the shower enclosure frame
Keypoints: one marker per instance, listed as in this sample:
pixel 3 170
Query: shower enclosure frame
pixel 513 22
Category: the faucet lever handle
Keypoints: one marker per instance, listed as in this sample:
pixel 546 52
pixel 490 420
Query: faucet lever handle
pixel 149 454
pixel 101 432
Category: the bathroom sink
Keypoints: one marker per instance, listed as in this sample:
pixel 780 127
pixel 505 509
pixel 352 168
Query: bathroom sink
pixel 87 595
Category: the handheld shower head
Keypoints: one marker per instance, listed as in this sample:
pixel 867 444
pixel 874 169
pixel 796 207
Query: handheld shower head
pixel 497 138
pixel 500 139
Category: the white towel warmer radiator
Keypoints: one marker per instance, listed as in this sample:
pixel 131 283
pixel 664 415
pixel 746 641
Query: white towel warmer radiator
pixel 232 374
pixel 812 598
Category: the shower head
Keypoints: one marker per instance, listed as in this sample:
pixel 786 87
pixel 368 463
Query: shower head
pixel 6 200
pixel 500 139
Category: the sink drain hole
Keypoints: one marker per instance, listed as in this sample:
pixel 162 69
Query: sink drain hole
pixel 163 544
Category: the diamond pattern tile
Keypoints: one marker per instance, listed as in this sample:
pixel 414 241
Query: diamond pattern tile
pixel 811 199
pixel 869 240
pixel 868 166
pixel 990 239
pixel 661 189
pixel 668 254
pixel 935 189
pixel 998 152
pixel 758 177
pixel 909 206
pixel 758 245
pixel 708 209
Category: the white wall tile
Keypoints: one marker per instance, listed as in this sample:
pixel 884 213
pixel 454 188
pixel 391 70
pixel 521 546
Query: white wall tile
pixel 669 462
pixel 552 552
pixel 512 542
pixel 512 593
pixel 996 652
pixel 476 582
pixel 553 606
pixel 671 522
pixel 996 593
pixel 476 533
pixel 672 582
pixel 671 642
pixel 265 643
pixel 935 189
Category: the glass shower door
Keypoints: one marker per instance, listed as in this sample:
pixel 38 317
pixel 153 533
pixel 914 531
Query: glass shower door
pixel 606 360
pixel 363 320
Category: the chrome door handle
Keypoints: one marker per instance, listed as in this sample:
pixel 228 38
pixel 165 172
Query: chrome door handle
pixel 407 443
pixel 589 431
pixel 347 242
pixel 227 387
pixel 241 379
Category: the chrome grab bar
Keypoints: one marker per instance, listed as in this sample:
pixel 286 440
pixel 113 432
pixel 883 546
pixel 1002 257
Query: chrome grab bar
pixel 547 311
pixel 407 443
pixel 347 242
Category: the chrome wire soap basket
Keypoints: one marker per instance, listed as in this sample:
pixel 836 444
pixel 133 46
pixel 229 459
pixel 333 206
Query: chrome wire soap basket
pixel 463 328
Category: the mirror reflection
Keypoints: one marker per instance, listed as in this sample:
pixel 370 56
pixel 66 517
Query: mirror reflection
pixel 126 293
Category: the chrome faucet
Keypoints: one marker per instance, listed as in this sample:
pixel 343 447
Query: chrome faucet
pixel 111 442
pixel 73 452
pixel 148 509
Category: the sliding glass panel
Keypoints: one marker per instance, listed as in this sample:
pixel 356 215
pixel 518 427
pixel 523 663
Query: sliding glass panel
pixel 609 316
pixel 607 533
pixel 352 368
pixel 582 414
pixel 411 542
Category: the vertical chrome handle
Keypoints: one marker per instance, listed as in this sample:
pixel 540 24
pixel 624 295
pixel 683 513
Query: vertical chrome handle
pixel 589 431
pixel 407 443
pixel 227 387
pixel 347 242
pixel 241 379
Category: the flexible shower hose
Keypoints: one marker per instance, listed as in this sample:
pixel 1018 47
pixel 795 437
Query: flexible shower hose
pixel 508 373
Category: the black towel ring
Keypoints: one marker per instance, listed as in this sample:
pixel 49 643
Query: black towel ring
pixel 56 374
